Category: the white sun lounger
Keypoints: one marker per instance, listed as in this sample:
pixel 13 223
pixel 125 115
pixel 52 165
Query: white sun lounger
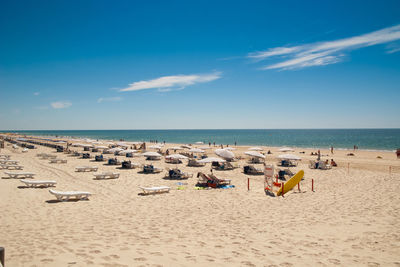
pixel 86 168
pixel 105 175
pixel 58 161
pixel 37 183
pixel 155 190
pixel 11 167
pixel 67 195
pixel 20 174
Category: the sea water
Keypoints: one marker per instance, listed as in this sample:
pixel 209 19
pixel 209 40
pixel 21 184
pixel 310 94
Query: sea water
pixel 367 139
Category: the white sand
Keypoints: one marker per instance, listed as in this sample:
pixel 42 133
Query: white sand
pixel 351 218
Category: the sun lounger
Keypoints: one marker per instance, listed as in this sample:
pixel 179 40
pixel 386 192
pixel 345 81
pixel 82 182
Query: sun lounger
pixel 151 169
pixel 11 167
pixel 253 170
pixel 178 174
pixel 323 166
pixel 86 168
pixel 155 190
pixel 106 175
pixel 20 174
pixel 58 161
pixel 67 195
pixel 37 183
pixel 195 163
pixel 211 180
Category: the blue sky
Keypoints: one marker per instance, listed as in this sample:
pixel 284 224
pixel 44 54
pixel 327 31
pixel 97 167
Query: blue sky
pixel 199 64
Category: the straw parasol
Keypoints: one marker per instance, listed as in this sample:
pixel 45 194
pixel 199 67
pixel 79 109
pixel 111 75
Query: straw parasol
pixel 223 153
pixel 211 159
pixel 176 156
pixel 289 157
pixel 254 154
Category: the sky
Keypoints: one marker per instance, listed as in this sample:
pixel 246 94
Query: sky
pixel 199 64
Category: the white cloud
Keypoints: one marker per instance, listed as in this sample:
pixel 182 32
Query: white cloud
pixel 324 53
pixel 36 93
pixel 109 99
pixel 167 82
pixel 60 104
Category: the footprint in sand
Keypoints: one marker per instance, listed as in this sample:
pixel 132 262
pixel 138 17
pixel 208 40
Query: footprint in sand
pixel 140 259
pixel 334 261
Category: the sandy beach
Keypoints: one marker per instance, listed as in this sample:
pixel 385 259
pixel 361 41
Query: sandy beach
pixel 351 219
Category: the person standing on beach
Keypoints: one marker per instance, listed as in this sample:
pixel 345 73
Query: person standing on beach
pixel 319 155
pixel 398 153
pixel 331 149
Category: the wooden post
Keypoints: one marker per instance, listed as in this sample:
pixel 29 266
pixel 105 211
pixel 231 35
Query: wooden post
pixel 390 170
pixel 298 186
pixel 312 185
pixel 283 189
pixel 248 184
pixel 2 253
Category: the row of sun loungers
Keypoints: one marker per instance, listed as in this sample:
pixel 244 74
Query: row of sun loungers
pixel 58 161
pixel 67 195
pixel 86 168
pixel 8 161
pixel 4 156
pixel 38 183
pixel 11 167
pixel 155 190
pixel 106 175
pixel 20 174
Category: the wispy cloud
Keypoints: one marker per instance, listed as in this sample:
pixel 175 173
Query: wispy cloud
pixel 36 93
pixel 60 104
pixel 109 99
pixel 167 83
pixel 324 53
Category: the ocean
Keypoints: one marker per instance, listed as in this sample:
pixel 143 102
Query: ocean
pixel 366 139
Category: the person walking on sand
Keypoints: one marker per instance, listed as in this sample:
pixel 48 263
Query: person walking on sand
pixel 331 149
pixel 319 155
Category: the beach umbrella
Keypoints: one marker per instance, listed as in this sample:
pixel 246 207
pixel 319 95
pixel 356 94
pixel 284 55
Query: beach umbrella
pixel 87 145
pixel 122 144
pixel 199 143
pixel 186 146
pixel 223 153
pixel 289 157
pixel 101 147
pixel 230 148
pixel 151 154
pixel 211 159
pixel 123 152
pixel 196 150
pixel 115 149
pixel 205 147
pixel 155 146
pixel 286 149
pixel 254 154
pixel 176 156
pixel 256 148
pixel 176 148
pixel 97 143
